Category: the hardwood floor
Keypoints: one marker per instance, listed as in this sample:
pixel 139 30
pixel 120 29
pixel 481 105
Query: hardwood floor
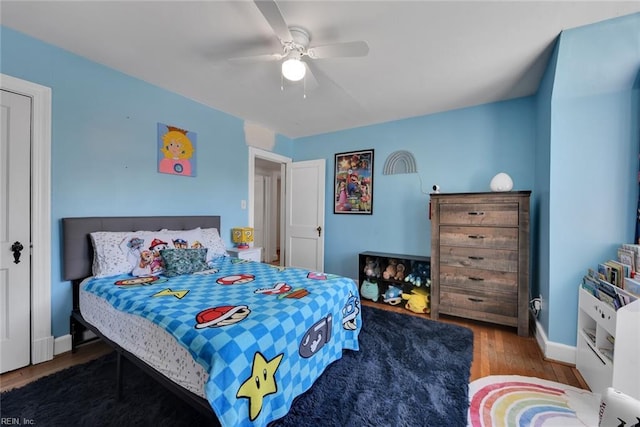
pixel 24 376
pixel 497 350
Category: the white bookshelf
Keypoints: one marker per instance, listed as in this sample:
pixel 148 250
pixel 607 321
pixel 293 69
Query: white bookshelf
pixel 608 345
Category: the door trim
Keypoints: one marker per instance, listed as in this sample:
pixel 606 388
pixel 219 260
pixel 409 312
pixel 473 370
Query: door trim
pixel 41 338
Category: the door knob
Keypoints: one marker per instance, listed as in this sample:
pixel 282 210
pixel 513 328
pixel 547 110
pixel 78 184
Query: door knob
pixel 16 248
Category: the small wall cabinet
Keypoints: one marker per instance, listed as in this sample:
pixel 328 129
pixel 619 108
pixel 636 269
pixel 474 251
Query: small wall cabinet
pixel 608 345
pixel 395 279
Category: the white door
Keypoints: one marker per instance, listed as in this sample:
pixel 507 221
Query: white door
pixel 305 215
pixel 15 287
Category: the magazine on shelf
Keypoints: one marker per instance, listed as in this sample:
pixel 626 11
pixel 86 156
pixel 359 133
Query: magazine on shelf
pixel 616 273
pixel 608 293
pixel 627 257
pixel 636 250
pixel 632 286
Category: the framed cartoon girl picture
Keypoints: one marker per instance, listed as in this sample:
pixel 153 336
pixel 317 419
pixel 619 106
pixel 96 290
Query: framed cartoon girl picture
pixel 353 181
pixel 176 150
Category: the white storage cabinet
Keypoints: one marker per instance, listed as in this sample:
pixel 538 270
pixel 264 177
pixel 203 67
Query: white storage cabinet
pixel 608 345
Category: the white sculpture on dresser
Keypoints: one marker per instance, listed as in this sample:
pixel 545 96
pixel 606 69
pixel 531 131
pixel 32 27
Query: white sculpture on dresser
pixel 501 182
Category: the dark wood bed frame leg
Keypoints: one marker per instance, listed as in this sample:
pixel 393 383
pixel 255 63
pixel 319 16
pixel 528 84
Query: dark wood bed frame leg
pixel 118 376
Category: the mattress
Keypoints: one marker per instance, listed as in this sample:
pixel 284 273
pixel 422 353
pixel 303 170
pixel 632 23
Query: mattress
pixel 146 340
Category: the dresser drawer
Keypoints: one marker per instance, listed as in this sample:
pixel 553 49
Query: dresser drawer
pixel 503 214
pixel 473 279
pixel 488 259
pixel 479 237
pixel 465 303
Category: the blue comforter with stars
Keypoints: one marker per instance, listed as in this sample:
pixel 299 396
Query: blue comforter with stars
pixel 263 333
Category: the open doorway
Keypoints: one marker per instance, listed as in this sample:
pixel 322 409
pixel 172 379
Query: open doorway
pixel 267 209
pixel 267 203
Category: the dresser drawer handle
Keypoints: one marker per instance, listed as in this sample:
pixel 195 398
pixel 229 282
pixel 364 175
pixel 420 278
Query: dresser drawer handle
pixel 476 213
pixel 476 236
pixel 478 258
pixel 475 299
pixel 476 279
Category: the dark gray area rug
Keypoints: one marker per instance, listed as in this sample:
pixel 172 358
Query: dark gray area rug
pixel 410 371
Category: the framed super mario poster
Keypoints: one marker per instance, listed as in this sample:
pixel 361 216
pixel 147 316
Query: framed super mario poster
pixel 176 150
pixel 353 183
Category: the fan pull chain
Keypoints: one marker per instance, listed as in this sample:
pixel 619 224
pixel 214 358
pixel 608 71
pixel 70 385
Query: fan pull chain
pixel 281 83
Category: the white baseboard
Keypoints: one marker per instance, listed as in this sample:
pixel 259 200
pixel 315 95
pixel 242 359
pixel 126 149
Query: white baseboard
pixel 552 350
pixel 62 344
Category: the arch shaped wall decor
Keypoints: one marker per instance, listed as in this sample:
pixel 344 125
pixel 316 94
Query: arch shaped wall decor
pixel 398 162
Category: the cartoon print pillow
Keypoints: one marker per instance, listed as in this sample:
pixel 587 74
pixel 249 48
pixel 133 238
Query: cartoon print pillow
pixel 143 248
pixel 212 241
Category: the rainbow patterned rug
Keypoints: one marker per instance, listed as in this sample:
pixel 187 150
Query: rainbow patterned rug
pixel 517 401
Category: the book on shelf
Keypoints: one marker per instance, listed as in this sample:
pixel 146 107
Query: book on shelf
pixel 632 286
pixel 608 293
pixel 591 333
pixel 614 281
pixel 636 251
pixel 607 352
pixel 604 271
pixel 616 273
pixel 627 257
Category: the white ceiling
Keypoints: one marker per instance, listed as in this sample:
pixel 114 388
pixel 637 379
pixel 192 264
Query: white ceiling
pixel 425 56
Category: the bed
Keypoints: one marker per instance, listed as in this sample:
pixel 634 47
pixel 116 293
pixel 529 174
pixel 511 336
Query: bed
pixel 238 340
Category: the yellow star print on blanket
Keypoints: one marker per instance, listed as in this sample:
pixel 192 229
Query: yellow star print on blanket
pixel 261 382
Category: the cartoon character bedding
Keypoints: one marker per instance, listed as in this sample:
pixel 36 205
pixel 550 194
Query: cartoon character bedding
pixel 263 333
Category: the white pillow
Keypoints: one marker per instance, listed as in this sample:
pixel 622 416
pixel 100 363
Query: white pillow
pixel 214 243
pixel 108 257
pixel 618 409
pixel 142 248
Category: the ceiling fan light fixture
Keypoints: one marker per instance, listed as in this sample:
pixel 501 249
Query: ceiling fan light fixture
pixel 293 69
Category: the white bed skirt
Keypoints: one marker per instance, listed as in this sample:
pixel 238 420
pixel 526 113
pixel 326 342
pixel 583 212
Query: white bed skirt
pixel 146 340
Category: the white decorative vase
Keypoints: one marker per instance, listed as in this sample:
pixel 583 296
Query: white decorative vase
pixel 501 182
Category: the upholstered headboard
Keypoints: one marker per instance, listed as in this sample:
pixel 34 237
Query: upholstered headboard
pixel 77 249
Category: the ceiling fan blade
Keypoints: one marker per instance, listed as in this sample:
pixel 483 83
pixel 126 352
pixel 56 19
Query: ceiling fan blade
pixel 255 58
pixel 272 14
pixel 339 50
pixel 310 81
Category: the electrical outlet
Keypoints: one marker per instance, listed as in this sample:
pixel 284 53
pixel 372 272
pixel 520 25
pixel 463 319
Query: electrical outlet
pixel 243 204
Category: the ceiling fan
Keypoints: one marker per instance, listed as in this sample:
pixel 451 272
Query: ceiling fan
pixel 296 47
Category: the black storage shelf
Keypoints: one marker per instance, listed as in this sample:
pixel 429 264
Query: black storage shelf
pixel 375 287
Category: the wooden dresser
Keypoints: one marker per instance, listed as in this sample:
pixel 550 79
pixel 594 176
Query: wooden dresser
pixel 480 257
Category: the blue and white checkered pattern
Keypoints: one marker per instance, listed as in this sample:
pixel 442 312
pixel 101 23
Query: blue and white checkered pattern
pixel 276 325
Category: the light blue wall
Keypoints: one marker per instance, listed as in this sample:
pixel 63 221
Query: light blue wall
pixel 459 150
pixel 104 148
pixel 594 145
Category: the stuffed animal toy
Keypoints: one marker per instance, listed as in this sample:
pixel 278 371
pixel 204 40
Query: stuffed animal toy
pixel 399 272
pixel 370 290
pixel 420 275
pixel 417 301
pixel 390 271
pixel 371 267
pixel 393 295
